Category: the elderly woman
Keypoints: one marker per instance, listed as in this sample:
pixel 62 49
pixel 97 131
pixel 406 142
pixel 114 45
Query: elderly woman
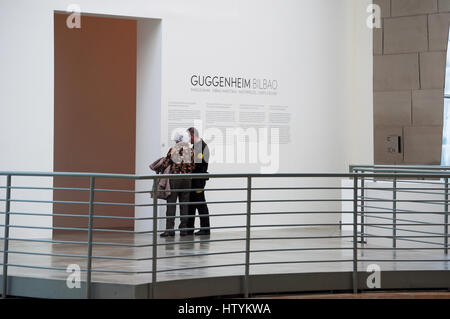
pixel 181 160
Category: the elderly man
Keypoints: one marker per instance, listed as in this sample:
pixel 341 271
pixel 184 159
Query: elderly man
pixel 201 158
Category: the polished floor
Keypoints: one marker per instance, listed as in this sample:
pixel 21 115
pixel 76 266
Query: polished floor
pixel 320 255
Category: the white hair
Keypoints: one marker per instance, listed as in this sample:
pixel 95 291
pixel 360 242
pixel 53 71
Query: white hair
pixel 181 136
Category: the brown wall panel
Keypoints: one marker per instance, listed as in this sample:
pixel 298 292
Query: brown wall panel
pixel 95 115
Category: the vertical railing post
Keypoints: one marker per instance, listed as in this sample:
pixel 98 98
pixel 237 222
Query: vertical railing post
pixel 394 212
pixel 155 236
pixel 90 225
pixel 247 237
pixel 6 237
pixel 355 234
pixel 446 218
pixel 362 211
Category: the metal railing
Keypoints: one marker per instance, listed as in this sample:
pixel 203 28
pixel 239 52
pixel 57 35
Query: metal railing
pixel 422 186
pixel 319 217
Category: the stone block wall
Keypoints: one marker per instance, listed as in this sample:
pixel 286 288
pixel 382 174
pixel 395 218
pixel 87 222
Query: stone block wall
pixel 409 74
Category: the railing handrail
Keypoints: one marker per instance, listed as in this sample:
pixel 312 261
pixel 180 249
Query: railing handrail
pixel 426 167
pixel 424 173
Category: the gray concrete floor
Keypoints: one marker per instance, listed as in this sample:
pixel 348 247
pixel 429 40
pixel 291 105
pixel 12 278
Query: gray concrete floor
pixel 181 246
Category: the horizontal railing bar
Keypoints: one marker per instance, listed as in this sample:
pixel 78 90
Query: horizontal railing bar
pixel 116 204
pixel 253 188
pixel 72 215
pixel 117 217
pixel 300 200
pixel 389 212
pixel 45 214
pixel 302 225
pixel 108 190
pixel 413 181
pixel 435 202
pixel 314 237
pixel 67 174
pixel 299 249
pixel 48 188
pixel 413 231
pixel 197 203
pixel 209 189
pixel 199 241
pixel 216 253
pixel 114 190
pixel 300 262
pixel 47 201
pixel 404 188
pixel 169 217
pixel 194 228
pixel 302 212
pixel 402 170
pixel 298 188
pixel 210 215
pixel 75 242
pixel 424 174
pixel 367 199
pixel 397 224
pixel 400 248
pixel 410 191
pixel 71 228
pixel 81 269
pixel 233 227
pixel 69 255
pixel 400 211
pixel 193 189
pixel 39 267
pixel 204 254
pixel 408 236
pixel 402 220
pixel 414 240
pixel 423 201
pixel 422 241
pixel 404 260
pixel 126 245
pixel 202 267
pixel 412 168
pixel 48 241
pixel 70 189
pixel 431 167
pixel 243 226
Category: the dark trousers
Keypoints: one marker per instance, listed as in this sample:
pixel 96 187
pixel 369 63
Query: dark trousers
pixel 202 211
pixel 183 197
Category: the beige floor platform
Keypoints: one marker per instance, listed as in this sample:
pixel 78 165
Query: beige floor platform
pixel 186 252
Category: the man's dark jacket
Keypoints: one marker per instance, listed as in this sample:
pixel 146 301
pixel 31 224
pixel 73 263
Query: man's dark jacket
pixel 201 159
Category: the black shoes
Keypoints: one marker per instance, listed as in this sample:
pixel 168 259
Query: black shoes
pixel 167 234
pixel 186 233
pixel 202 232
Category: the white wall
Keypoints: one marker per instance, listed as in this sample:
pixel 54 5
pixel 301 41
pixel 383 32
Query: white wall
pixel 361 116
pixel 318 50
pixel 148 111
